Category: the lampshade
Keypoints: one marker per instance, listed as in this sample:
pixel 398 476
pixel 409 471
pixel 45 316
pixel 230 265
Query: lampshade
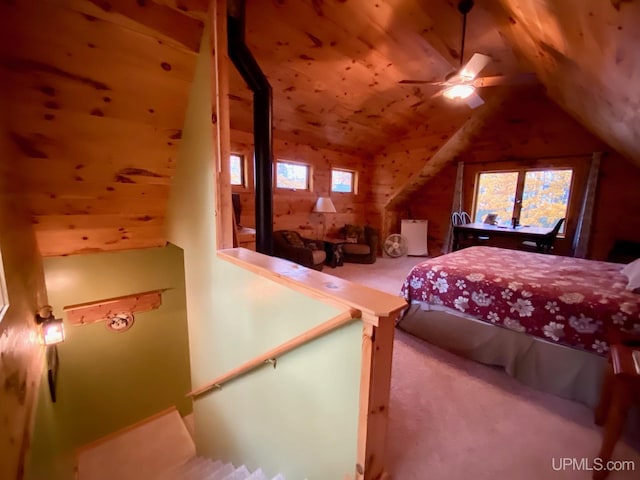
pixel 324 205
pixel 459 91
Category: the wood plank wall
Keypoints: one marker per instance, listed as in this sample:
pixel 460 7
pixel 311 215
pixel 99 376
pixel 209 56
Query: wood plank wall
pixel 534 130
pixel 21 355
pixel 293 209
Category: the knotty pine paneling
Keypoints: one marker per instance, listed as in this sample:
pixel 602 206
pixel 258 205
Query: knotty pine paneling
pixel 292 210
pixel 335 67
pixel 95 96
pixel 21 355
pixel 616 214
pixel 585 53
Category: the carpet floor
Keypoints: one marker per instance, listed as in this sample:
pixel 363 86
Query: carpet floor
pixel 453 419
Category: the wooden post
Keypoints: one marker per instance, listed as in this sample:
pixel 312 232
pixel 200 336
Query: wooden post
pixel 375 386
pixel 220 121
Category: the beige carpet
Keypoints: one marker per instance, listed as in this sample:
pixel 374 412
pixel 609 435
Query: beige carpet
pixel 387 274
pixel 453 419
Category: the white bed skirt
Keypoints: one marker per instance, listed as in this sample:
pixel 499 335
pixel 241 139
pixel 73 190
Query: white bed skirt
pixel 552 368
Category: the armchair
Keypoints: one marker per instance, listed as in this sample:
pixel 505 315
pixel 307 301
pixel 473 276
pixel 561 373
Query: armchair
pixel 365 250
pixel 290 245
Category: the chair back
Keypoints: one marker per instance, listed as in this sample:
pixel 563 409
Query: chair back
pixel 557 227
pixel 550 238
pixel 460 218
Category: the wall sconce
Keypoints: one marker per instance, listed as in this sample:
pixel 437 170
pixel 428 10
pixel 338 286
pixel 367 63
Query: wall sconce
pixel 52 328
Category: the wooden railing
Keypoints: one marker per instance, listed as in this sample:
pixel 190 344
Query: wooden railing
pixel 274 353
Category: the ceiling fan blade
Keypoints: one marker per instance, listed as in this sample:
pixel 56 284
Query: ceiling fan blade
pixel 420 82
pixel 474 66
pixel 527 78
pixel 474 100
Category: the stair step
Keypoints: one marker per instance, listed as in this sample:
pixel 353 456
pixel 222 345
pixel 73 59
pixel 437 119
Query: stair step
pixel 194 465
pixel 257 475
pixel 240 473
pixel 201 469
pixel 221 473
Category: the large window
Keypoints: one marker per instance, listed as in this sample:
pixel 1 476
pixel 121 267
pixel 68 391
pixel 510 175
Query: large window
pixel 237 169
pixel 535 197
pixel 343 181
pixel 294 176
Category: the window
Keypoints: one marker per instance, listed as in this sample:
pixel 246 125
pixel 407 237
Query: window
pixel 237 169
pixel 536 197
pixel 343 181
pixel 294 176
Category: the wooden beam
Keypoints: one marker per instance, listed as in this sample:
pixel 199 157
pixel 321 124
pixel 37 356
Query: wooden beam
pixel 193 8
pixel 169 22
pixel 448 152
pixel 91 312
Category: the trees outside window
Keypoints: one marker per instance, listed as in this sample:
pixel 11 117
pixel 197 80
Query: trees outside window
pixel 535 197
pixel 237 169
pixel 294 176
pixel 343 181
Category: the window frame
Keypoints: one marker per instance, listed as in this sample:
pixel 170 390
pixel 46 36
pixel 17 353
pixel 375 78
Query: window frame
pixel 518 194
pixel 354 180
pixel 243 170
pixel 309 187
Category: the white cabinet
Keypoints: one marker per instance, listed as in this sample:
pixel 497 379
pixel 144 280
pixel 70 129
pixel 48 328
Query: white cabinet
pixel 415 231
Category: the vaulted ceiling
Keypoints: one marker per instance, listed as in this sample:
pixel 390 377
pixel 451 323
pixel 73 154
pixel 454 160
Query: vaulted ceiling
pixel 95 91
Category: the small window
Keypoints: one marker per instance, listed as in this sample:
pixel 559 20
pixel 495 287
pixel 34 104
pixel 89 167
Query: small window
pixel 535 197
pixel 237 169
pixel 294 176
pixel 343 181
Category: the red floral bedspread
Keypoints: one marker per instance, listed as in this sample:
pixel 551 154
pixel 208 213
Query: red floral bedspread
pixel 570 301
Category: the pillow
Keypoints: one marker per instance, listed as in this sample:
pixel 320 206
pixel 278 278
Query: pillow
pixel 293 238
pixel 353 233
pixel 632 272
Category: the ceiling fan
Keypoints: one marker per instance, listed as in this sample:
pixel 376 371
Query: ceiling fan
pixel 462 83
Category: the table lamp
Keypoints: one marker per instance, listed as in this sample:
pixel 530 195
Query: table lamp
pixel 324 205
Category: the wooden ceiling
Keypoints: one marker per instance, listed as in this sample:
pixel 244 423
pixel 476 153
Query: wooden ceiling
pixel 95 91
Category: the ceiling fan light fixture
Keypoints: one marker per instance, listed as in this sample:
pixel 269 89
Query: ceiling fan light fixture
pixel 455 92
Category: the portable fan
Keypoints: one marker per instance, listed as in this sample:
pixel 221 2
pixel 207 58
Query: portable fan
pixel 395 245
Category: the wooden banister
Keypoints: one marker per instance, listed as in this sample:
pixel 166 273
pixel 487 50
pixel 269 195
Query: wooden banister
pixel 276 352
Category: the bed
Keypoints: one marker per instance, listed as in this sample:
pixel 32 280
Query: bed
pixel 545 319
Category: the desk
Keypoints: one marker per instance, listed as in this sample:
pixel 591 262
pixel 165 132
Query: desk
pixel 498 235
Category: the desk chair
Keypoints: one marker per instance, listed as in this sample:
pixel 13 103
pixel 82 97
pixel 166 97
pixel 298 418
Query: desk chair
pixel 546 244
pixel 462 218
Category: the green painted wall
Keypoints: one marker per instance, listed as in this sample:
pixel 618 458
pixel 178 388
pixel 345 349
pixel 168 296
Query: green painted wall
pixel 300 419
pixel 110 380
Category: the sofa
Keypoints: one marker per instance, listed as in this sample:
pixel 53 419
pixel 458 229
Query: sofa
pixel 290 245
pixel 361 243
